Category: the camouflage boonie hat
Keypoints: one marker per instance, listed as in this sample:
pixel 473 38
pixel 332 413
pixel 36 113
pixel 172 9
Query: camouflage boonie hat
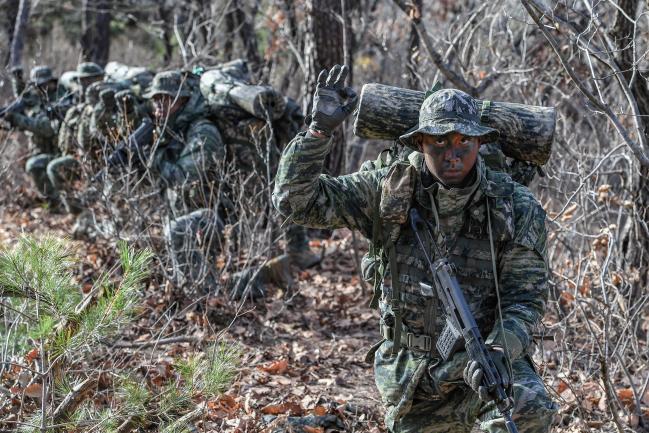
pixel 40 75
pixel 170 83
pixel 89 69
pixel 449 110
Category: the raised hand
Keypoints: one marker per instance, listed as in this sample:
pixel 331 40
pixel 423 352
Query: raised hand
pixel 332 101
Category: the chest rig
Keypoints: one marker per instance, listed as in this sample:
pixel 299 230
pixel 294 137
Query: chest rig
pixel 414 317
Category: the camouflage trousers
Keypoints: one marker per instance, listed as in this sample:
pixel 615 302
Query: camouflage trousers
pixel 414 404
pixel 194 241
pixel 62 172
pixel 36 167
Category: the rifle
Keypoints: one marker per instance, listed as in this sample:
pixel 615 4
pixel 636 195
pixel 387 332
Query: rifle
pixel 134 144
pixel 460 323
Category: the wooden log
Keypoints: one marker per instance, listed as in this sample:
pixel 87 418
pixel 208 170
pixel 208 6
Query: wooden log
pixel 526 131
pixel 221 89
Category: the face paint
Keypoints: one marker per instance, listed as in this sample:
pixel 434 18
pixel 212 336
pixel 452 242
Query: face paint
pixel 451 157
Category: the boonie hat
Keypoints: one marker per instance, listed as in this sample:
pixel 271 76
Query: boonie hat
pixel 449 110
pixel 40 75
pixel 168 83
pixel 89 69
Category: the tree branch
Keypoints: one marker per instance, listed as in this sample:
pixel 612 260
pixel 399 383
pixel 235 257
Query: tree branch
pixel 636 148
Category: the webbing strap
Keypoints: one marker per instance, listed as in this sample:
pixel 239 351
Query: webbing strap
pixel 374 250
pixel 486 109
pixel 396 296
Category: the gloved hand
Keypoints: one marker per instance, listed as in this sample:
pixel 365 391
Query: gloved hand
pixel 125 101
pixel 329 108
pixel 473 373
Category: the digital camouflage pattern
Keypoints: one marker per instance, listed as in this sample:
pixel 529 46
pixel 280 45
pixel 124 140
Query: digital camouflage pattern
pixel 450 110
pixel 383 196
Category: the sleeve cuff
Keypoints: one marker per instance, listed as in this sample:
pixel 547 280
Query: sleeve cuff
pixel 509 341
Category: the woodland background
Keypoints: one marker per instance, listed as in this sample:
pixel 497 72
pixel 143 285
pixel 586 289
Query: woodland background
pixel 300 350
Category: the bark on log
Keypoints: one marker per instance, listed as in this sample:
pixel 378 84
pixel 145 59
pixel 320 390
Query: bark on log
pixel 526 131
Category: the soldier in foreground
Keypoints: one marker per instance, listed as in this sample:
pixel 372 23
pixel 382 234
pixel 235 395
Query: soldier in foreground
pixel 469 205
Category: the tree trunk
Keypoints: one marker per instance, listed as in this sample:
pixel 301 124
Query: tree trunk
pixel 8 21
pixel 166 16
pixel 95 25
pixel 237 20
pixel 635 239
pixel 323 48
pixel 18 39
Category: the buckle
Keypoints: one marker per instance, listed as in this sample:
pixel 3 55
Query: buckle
pixel 419 342
pixel 387 332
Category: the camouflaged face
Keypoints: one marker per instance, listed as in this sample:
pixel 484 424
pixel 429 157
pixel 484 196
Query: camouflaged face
pixel 449 110
pixel 41 75
pixel 169 83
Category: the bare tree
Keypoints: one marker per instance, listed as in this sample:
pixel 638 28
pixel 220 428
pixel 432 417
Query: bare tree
pixel 323 48
pixel 95 37
pixel 18 39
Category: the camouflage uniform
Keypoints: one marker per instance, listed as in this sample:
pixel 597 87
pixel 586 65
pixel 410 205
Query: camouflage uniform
pixel 189 149
pixel 421 392
pixel 41 122
pixel 74 137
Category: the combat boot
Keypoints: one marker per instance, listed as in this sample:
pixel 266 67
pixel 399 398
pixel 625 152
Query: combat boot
pixel 304 258
pixel 297 247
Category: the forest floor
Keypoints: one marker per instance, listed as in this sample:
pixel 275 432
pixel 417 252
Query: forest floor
pixel 302 366
pixel 303 349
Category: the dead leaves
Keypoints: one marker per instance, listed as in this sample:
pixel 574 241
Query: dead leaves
pixel 276 367
pixel 283 408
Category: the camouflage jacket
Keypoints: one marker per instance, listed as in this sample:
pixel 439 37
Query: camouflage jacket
pixel 41 127
pixel 188 152
pixel 381 198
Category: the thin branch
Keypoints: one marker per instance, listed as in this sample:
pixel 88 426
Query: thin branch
pixel 636 148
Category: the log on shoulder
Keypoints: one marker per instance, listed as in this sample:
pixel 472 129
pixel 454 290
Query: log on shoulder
pixel 526 131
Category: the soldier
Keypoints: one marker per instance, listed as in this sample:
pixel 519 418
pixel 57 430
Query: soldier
pixel 86 74
pixel 188 151
pixel 470 206
pixel 131 111
pixel 40 120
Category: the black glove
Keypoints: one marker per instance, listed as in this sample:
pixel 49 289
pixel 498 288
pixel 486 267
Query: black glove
pixel 329 108
pixel 473 373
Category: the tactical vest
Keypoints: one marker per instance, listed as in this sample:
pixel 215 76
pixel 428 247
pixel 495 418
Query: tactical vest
pixel 403 266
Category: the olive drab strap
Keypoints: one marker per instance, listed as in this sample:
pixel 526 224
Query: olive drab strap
pixel 375 251
pixel 486 109
pixel 396 295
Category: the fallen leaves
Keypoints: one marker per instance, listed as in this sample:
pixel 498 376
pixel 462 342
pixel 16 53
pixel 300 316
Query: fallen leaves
pixel 276 367
pixel 289 408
